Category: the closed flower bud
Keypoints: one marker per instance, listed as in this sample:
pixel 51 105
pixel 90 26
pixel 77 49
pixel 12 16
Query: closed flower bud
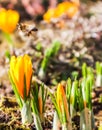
pixel 21 73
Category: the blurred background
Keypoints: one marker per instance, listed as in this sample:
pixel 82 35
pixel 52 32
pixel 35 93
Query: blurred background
pixel 34 8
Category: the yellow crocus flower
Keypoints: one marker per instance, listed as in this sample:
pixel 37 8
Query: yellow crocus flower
pixel 69 9
pixel 21 73
pixel 62 100
pixel 8 20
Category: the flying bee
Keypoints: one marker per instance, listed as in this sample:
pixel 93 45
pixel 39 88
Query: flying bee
pixel 27 29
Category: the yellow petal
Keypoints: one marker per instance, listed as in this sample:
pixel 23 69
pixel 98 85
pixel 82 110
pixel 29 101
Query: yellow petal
pixel 12 20
pixel 49 14
pixel 12 67
pixel 2 19
pixel 61 98
pixel 27 71
pixel 61 8
pixel 19 75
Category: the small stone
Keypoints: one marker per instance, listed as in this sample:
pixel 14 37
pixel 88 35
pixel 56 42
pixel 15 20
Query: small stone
pixel 93 94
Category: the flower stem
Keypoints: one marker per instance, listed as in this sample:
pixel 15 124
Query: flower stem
pixel 26 113
pixel 37 122
pixel 64 126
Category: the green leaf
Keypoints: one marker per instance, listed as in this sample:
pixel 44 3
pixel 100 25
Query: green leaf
pixel 25 90
pixel 73 98
pixel 34 104
pixel 37 122
pixel 80 97
pixel 68 89
pixel 53 50
pixel 16 92
pixel 50 52
pixel 74 93
pixel 88 94
pixel 7 54
pixel 84 70
pixel 53 98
